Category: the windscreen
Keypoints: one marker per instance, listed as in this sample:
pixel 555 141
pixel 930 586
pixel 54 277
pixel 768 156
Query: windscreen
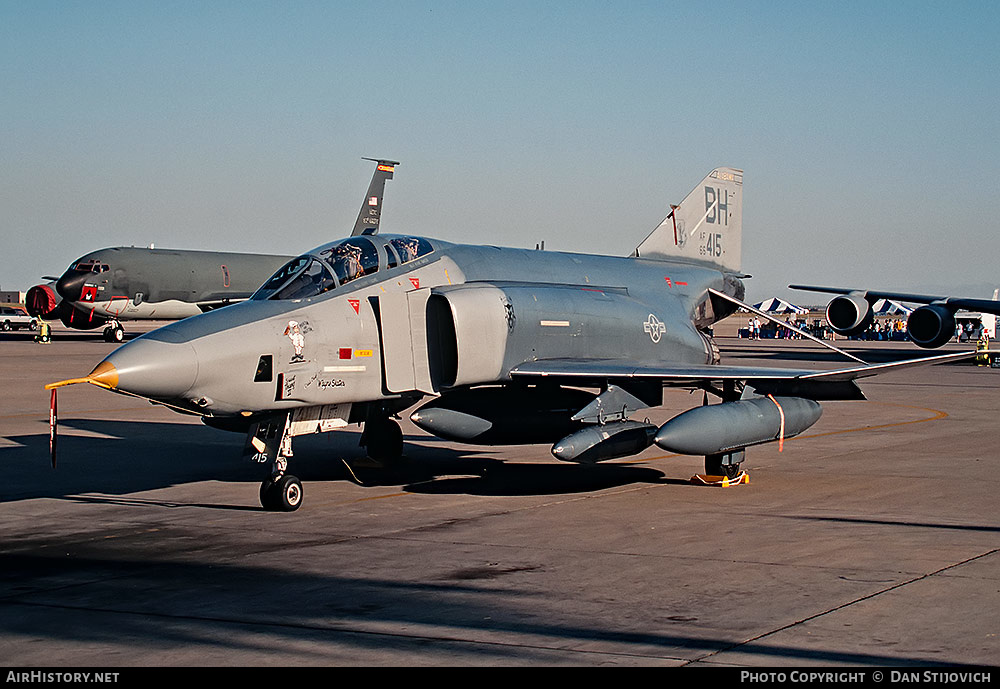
pixel 313 280
pixel 282 276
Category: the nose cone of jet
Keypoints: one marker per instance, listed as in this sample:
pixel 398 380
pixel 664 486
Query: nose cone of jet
pixel 150 368
pixel 70 285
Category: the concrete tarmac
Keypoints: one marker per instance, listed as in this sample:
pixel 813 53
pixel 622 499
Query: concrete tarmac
pixel 871 540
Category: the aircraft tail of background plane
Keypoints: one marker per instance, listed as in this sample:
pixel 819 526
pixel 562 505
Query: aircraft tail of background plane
pixel 371 209
pixel 706 227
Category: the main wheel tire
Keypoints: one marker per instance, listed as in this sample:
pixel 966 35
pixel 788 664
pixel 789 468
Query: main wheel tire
pixel 6 325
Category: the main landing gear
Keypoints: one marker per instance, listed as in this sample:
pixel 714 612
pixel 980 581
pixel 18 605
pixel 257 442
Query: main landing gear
pixel 723 468
pixel 114 332
pixel 383 439
pixel 728 464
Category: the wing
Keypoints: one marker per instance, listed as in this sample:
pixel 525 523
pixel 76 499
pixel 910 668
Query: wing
pixel 968 304
pixel 837 384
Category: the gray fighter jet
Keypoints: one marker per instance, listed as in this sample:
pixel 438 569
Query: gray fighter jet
pixel 109 286
pixel 510 345
pixel 929 326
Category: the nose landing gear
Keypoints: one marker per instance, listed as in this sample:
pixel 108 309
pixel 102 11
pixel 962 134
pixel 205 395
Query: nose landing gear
pixel 270 441
pixel 283 494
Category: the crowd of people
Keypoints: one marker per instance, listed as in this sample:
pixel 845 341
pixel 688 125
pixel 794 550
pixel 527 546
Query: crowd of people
pixel 887 329
pixel 756 329
pixel 894 329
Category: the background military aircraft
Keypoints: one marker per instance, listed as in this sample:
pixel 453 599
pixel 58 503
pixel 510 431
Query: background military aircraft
pixel 511 346
pixel 929 326
pixel 109 286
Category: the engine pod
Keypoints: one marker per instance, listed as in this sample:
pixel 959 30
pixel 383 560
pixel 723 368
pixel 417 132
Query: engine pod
pixel 849 314
pixel 931 326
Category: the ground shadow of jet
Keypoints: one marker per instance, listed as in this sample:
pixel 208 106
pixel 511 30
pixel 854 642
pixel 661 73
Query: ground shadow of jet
pixel 428 467
pixel 540 479
pixel 121 458
pixel 17 335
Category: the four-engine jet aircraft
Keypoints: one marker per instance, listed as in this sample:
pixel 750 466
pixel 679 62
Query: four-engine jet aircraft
pixel 929 326
pixel 109 286
pixel 511 345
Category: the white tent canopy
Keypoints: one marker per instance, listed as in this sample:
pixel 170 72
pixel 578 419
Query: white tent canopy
pixel 885 307
pixel 775 305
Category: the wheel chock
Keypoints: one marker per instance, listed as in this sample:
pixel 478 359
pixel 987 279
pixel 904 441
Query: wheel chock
pixel 720 481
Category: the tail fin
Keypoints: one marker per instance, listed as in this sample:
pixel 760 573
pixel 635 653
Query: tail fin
pixel 706 227
pixel 371 207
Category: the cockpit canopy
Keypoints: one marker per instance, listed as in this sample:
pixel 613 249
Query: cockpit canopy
pixel 90 266
pixel 330 266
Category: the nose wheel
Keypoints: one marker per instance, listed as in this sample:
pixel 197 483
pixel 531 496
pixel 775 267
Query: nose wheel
pixel 270 441
pixel 283 494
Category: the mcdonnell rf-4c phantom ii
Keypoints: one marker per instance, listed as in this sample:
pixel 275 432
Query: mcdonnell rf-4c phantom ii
pixel 511 346
pixel 109 286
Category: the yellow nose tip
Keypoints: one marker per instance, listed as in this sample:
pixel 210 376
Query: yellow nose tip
pixel 105 375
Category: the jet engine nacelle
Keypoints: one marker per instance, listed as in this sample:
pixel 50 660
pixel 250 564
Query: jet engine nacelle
pixel 467 335
pixel 849 314
pixel 41 301
pixel 721 428
pixel 931 326
pixel 476 333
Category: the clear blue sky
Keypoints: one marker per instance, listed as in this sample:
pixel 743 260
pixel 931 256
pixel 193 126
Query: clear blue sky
pixel 868 132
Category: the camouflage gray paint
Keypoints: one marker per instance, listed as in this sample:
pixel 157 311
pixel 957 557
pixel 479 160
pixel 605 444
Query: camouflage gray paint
pixel 568 306
pixel 362 328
